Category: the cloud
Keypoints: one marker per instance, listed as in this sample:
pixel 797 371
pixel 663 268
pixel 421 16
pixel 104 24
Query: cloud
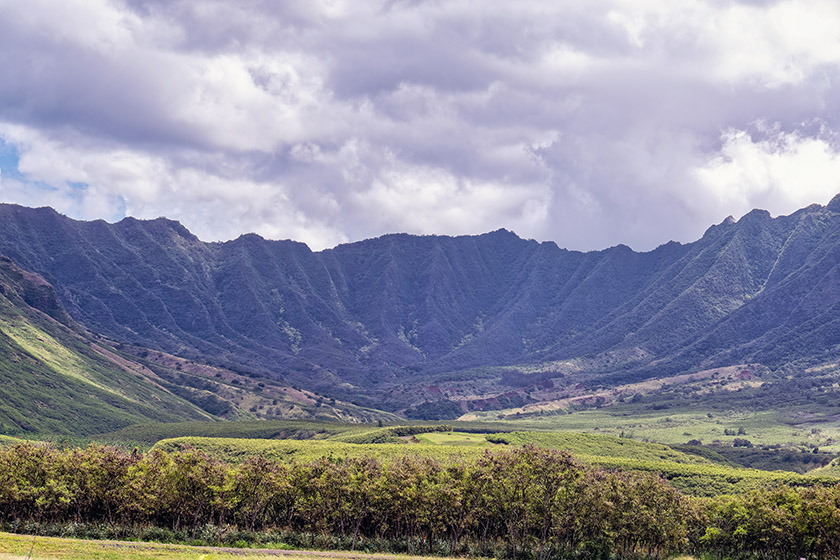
pixel 592 124
pixel 782 169
pixel 93 181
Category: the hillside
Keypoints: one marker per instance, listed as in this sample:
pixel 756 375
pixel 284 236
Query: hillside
pixel 399 320
pixel 57 378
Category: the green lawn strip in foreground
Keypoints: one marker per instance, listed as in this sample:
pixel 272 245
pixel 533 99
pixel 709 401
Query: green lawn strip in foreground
pixel 19 547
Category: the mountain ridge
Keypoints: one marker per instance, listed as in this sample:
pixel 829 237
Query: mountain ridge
pixel 364 320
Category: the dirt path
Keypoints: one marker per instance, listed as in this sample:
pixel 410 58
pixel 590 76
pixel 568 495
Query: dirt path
pixel 256 551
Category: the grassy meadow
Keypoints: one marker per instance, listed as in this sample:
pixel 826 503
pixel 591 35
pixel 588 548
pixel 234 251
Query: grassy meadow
pixel 438 444
pixel 20 547
pixel 678 426
pixel 699 474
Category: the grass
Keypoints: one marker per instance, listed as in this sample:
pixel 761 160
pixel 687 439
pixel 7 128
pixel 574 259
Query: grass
pixel 594 445
pixel 149 434
pixel 50 352
pixel 237 450
pixel 146 435
pixel 689 473
pixel 55 380
pixel 8 440
pixel 460 439
pixel 711 480
pixel 679 425
pixel 19 547
pixel 432 444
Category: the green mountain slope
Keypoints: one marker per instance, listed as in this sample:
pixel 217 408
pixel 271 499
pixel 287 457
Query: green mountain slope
pixel 57 378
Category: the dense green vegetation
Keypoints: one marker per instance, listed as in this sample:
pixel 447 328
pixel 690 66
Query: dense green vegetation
pixel 516 502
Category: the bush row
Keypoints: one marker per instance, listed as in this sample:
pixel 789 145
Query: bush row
pixel 519 502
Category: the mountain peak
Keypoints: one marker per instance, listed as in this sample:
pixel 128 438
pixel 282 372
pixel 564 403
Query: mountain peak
pixel 754 216
pixel 834 204
pixel 159 225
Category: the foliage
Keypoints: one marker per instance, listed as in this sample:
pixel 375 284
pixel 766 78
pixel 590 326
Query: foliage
pixel 442 409
pixel 689 473
pixel 520 502
pixel 712 480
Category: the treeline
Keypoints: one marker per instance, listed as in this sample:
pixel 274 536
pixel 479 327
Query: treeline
pixel 523 502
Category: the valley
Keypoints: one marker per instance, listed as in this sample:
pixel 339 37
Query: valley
pixel 428 326
pixel 704 377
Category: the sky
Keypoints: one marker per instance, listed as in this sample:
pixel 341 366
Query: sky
pixel 328 121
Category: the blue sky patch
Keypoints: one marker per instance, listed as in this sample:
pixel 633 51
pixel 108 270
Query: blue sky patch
pixel 9 159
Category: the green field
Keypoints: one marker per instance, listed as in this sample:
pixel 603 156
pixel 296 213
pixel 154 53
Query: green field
pixel 149 434
pixel 433 444
pixel 146 435
pixel 679 425
pixel 688 472
pixel 460 439
pixel 237 450
pixel 597 445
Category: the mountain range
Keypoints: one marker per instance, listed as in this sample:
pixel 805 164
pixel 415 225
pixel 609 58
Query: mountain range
pixel 386 322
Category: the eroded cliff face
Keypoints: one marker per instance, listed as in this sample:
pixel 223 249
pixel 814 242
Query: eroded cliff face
pixel 398 308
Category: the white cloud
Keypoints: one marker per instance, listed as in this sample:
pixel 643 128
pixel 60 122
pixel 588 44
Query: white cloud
pixel 90 181
pixel 783 171
pixel 590 123
pixel 427 200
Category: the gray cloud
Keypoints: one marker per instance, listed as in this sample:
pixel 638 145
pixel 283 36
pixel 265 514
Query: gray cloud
pixel 590 124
